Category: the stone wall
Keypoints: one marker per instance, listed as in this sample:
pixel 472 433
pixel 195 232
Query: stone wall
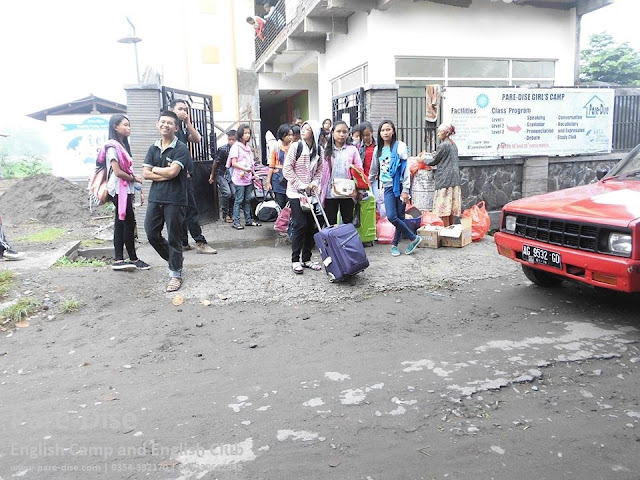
pixel 500 181
pixel 574 172
pixel 495 182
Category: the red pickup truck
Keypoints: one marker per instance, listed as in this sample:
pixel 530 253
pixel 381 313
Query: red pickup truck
pixel 589 234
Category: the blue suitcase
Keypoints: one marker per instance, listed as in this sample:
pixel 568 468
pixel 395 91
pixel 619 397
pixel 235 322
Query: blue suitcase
pixel 341 249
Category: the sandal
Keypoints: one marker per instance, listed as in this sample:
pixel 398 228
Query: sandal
pixel 312 265
pixel 174 284
pixel 228 219
pixel 237 227
pixel 254 224
pixel 297 268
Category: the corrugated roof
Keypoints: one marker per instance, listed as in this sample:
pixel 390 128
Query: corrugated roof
pixel 86 105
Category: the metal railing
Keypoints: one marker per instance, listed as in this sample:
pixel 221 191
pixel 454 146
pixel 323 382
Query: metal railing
pixel 413 129
pixel 626 122
pixel 201 111
pixel 351 103
pixel 274 24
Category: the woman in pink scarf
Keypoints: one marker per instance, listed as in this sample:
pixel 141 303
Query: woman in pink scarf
pixel 121 186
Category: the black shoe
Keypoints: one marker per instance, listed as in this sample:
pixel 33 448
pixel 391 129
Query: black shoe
pixel 140 265
pixel 122 266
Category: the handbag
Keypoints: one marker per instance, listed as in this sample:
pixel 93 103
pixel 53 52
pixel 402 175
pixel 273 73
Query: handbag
pixel 268 210
pixel 343 188
pixel 282 222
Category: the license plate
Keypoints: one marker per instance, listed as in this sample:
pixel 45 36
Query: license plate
pixel 541 256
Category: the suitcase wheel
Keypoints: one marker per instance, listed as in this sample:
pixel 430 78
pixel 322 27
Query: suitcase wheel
pixel 332 277
pixel 368 244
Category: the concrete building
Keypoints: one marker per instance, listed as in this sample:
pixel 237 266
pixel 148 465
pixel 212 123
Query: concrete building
pixel 331 47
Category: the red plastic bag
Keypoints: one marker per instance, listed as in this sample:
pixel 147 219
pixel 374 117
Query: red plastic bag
pixel 480 221
pixel 416 164
pixel 385 230
pixel 282 222
pixel 358 176
pixel 429 218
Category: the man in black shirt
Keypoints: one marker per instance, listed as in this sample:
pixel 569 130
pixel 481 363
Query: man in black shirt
pixel 222 176
pixel 187 133
pixel 166 164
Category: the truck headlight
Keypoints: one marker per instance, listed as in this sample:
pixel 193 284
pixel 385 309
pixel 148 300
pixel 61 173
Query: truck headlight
pixel 620 243
pixel 510 223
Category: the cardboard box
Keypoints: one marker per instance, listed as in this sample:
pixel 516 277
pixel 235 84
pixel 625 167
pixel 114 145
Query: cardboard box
pixel 430 236
pixel 456 236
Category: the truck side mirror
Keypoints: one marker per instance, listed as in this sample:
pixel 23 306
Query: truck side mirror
pixel 601 172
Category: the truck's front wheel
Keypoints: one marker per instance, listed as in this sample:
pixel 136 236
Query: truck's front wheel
pixel 541 278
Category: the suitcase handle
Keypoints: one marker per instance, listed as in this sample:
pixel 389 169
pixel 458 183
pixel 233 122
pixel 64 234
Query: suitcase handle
pixel 313 214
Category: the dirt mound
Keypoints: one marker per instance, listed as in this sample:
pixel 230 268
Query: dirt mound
pixel 48 199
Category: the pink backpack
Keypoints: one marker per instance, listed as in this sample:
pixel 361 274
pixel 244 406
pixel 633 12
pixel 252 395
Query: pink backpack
pixel 98 194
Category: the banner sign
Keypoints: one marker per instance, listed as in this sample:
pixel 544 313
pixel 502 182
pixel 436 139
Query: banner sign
pixel 500 122
pixel 82 137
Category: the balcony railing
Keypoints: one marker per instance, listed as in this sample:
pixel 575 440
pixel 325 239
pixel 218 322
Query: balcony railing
pixel 274 24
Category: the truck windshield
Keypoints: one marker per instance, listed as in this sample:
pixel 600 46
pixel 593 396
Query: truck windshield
pixel 629 167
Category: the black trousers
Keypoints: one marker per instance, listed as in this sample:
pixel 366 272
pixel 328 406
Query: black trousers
pixel 4 244
pixel 124 231
pixel 345 205
pixel 171 250
pixel 303 229
pixel 191 224
pixel 281 199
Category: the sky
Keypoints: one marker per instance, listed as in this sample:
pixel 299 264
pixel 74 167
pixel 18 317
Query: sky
pixel 62 50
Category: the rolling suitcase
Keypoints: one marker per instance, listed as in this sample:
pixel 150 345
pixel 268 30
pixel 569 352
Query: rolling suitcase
pixel 341 249
pixel 367 228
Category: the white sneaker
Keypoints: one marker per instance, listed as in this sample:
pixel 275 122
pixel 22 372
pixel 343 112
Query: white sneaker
pixel 11 254
pixel 205 248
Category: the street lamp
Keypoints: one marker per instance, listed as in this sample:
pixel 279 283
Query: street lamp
pixel 133 39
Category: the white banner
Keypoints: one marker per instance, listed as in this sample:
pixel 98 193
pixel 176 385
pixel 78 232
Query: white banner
pixel 494 122
pixel 82 138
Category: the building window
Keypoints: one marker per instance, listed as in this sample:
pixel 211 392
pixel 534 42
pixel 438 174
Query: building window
pixel 413 73
pixel 351 80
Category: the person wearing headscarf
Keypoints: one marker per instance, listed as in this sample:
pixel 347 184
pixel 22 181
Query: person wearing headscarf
pixel 447 201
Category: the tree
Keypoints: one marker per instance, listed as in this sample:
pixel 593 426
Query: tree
pixel 604 61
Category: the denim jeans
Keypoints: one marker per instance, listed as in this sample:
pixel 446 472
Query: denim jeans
pixel 173 215
pixel 191 224
pixel 395 214
pixel 227 194
pixel 243 198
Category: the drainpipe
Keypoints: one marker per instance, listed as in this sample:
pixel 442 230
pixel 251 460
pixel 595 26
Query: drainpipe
pixel 235 58
pixel 576 67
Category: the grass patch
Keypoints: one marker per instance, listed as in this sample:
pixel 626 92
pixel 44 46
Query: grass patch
pixel 92 242
pixel 66 262
pixel 20 310
pixel 6 280
pixel 69 306
pixel 48 235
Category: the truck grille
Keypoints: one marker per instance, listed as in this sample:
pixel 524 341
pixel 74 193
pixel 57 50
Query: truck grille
pixel 558 232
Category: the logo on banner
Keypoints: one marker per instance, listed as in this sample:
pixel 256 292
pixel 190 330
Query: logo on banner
pixel 595 108
pixel 482 100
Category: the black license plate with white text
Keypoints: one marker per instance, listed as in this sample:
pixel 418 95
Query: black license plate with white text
pixel 541 256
